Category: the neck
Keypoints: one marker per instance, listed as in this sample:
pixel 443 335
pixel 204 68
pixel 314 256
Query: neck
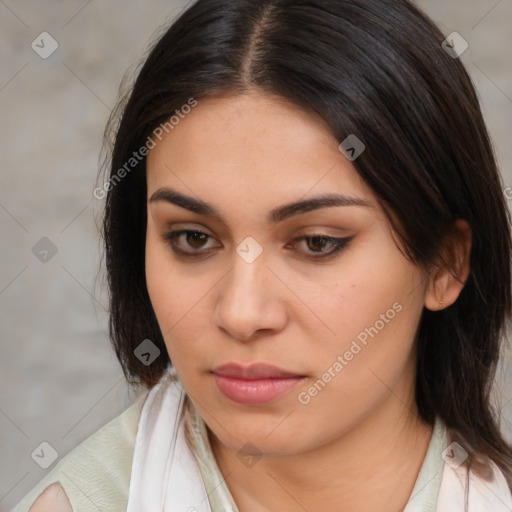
pixel 372 466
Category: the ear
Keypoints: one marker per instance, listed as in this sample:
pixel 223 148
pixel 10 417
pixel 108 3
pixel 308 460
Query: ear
pixel 447 280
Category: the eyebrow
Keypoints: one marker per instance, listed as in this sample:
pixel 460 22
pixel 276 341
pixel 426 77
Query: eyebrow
pixel 278 214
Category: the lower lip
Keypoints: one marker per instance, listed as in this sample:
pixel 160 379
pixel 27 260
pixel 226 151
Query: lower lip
pixel 254 392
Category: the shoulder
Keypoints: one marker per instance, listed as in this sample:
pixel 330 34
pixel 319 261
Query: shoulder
pixel 98 470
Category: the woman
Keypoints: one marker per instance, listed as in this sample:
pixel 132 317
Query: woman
pixel 303 215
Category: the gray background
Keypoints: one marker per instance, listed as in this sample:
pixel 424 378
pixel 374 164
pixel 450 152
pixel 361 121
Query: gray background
pixel 60 380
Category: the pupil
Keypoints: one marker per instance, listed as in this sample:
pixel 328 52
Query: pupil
pixel 196 237
pixel 315 240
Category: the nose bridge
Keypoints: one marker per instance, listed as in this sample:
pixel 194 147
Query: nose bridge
pixel 247 283
pixel 249 270
pixel 248 299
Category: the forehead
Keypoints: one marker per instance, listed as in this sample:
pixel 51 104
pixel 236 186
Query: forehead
pixel 254 146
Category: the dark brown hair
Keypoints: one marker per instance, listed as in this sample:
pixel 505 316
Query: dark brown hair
pixel 375 69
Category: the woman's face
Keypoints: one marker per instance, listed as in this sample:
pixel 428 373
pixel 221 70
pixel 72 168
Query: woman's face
pixel 253 287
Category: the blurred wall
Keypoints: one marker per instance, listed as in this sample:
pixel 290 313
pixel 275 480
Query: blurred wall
pixel 60 380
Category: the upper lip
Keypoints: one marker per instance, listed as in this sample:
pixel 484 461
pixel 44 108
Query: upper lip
pixel 253 371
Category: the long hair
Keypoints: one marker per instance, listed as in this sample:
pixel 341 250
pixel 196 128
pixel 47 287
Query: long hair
pixel 375 69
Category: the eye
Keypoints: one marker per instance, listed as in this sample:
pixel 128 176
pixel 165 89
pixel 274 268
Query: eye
pixel 318 242
pixel 196 240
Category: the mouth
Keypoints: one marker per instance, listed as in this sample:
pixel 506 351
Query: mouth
pixel 255 384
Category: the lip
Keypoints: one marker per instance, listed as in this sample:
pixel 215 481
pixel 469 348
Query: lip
pixel 254 384
pixel 253 371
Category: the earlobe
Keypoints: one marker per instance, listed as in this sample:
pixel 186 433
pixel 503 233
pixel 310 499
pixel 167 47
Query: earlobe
pixel 448 279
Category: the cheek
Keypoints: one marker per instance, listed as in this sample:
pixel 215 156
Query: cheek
pixel 157 279
pixel 166 291
pixel 374 312
pixel 178 298
pixel 356 370
pixel 377 289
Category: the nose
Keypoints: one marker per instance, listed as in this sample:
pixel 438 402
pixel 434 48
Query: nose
pixel 251 301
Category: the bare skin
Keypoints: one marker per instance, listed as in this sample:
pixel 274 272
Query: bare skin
pixel 52 499
pixel 247 155
pixel 358 443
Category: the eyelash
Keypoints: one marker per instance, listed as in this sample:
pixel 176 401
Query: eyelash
pixel 338 243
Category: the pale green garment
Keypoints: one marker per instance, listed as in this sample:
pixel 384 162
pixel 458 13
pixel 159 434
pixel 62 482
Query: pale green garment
pixel 96 474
